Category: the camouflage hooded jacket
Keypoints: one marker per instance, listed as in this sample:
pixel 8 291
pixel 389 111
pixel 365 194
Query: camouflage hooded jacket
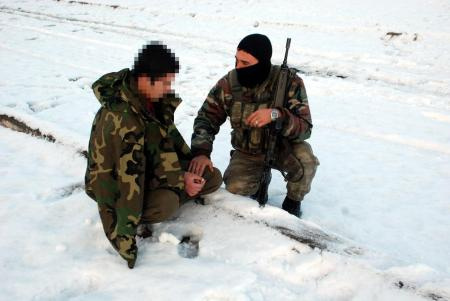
pixel 228 99
pixel 131 151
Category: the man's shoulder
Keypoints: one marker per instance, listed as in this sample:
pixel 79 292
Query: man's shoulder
pixel 109 87
pixel 223 84
pixel 294 76
pixel 225 81
pixel 119 119
pixel 112 79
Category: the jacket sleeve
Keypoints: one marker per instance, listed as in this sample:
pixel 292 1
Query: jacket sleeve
pixel 296 115
pixel 183 150
pixel 115 178
pixel 210 117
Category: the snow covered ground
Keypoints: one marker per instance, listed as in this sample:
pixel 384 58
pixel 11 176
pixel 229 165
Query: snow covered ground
pixel 379 209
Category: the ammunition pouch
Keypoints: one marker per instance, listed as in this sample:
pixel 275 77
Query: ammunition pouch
pixel 244 137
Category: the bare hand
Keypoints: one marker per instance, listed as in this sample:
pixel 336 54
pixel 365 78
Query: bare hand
pixel 193 183
pixel 259 118
pixel 199 163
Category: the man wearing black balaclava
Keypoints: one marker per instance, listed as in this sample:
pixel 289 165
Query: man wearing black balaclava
pixel 260 48
pixel 246 96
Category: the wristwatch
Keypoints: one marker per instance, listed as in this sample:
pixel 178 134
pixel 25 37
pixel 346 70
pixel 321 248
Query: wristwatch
pixel 274 114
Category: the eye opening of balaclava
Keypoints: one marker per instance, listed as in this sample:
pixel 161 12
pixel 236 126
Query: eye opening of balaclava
pixel 260 47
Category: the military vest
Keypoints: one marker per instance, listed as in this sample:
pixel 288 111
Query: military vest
pixel 241 103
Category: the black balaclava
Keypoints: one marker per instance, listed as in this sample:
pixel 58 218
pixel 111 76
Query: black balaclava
pixel 260 47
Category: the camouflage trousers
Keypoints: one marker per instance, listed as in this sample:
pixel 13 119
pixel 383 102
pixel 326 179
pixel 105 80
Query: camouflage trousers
pixel 160 204
pixel 244 172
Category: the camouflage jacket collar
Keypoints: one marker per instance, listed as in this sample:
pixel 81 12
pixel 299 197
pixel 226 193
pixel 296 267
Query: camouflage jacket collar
pixel 128 93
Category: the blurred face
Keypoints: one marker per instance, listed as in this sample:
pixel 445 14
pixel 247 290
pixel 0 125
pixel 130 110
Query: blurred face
pixel 244 59
pixel 154 90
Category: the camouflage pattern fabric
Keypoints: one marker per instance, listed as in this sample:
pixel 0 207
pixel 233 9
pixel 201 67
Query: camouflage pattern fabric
pixel 161 204
pixel 131 152
pixel 243 174
pixel 228 99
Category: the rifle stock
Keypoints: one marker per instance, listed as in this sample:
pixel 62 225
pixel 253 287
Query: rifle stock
pixel 262 195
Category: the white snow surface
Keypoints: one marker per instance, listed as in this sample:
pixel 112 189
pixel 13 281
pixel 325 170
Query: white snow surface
pixel 380 200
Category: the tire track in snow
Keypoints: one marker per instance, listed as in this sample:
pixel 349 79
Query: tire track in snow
pixel 318 27
pixel 300 231
pixel 437 88
pixel 313 237
pixel 49 59
pixel 13 123
pixel 416 143
pixel 420 144
pixel 136 31
pixel 67 36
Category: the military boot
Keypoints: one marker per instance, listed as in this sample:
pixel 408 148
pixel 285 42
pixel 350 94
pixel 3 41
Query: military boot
pixel 293 207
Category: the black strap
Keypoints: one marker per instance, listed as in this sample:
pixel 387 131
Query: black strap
pixel 236 88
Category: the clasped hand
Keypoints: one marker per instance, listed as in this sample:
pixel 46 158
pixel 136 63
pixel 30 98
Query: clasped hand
pixel 193 183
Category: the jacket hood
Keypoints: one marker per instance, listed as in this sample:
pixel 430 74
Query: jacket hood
pixel 113 90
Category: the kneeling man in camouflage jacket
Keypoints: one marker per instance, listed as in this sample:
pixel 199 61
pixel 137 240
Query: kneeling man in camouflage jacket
pixel 138 161
pixel 246 96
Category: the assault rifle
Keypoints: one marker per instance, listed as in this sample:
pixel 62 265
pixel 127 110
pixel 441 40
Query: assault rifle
pixel 275 128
